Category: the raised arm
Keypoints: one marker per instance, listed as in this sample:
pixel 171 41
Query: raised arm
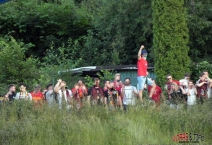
pixel 7 96
pixel 139 52
pixel 183 91
pixel 85 90
pixel 57 86
pixel 135 91
pixel 163 97
pixel 210 81
pixel 74 90
pixel 200 84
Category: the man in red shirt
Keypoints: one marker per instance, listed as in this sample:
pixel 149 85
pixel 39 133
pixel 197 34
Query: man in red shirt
pixel 118 86
pixel 142 66
pixel 79 92
pixel 157 94
pixel 37 95
pixel 169 84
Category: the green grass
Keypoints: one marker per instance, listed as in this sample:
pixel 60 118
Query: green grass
pixel 20 124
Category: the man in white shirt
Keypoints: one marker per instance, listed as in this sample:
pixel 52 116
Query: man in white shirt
pixel 184 82
pixel 64 96
pixel 23 94
pixel 129 93
pixel 49 95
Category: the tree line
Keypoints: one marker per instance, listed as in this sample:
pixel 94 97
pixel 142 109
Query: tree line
pixel 73 33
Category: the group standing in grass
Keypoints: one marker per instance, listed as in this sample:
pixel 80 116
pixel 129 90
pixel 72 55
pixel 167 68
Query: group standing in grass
pixel 117 94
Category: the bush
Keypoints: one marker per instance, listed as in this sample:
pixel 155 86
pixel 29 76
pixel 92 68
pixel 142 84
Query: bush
pixel 15 67
pixel 198 68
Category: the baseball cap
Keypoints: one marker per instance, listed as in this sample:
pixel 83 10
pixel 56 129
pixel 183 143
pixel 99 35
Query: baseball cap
pixel 143 52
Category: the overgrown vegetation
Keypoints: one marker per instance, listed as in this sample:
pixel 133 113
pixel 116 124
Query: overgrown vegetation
pixel 21 124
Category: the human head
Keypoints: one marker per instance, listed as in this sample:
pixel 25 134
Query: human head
pixel 49 87
pixel 153 81
pixel 190 84
pixel 169 77
pixel 37 88
pixel 205 72
pixel 202 77
pixel 80 82
pixel 127 81
pixel 12 88
pixel 112 84
pixel 117 77
pixel 187 76
pixel 107 84
pixel 96 81
pixel 174 86
pixel 22 87
pixel 144 53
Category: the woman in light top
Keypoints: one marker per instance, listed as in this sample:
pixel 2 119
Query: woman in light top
pixel 23 94
pixel 191 92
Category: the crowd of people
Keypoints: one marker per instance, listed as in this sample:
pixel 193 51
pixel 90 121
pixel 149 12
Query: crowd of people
pixel 116 94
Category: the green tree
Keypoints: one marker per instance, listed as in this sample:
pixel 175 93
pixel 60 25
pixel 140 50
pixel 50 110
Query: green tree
pixel 119 28
pixel 15 67
pixel 200 29
pixel 170 39
pixel 42 23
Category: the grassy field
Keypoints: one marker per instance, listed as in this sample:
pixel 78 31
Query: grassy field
pixel 20 124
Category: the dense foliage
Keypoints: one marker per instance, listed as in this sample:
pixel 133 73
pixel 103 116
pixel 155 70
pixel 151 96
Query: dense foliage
pixel 170 39
pixel 73 33
pixel 15 67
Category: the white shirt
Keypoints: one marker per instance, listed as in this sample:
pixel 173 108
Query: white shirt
pixel 23 96
pixel 184 82
pixel 191 97
pixel 50 97
pixel 129 96
pixel 59 97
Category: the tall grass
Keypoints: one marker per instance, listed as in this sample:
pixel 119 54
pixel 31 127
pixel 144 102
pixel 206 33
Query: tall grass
pixel 21 124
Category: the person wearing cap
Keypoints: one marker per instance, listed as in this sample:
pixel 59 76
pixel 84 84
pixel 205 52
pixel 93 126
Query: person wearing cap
pixel 37 95
pixel 142 66
pixel 157 95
